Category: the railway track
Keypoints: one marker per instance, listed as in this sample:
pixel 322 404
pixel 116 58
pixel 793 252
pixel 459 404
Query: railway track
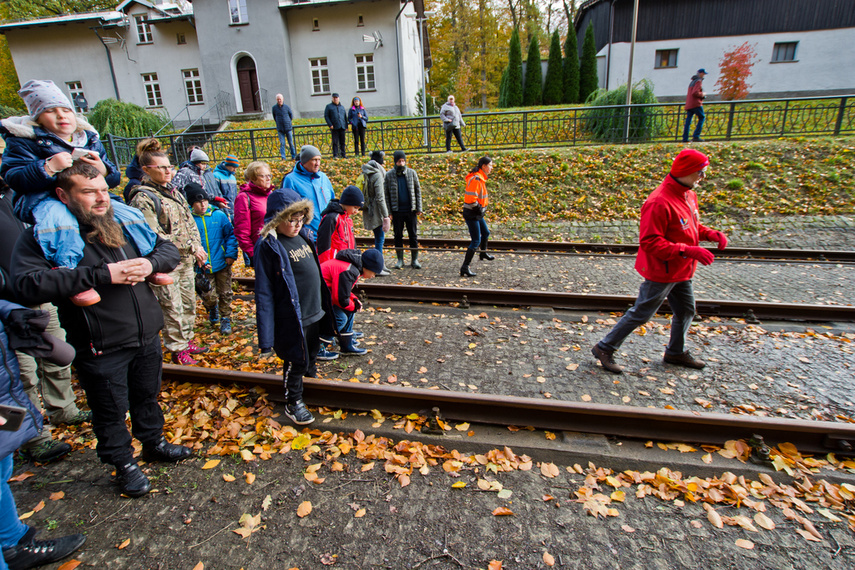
pixel 617 421
pixel 752 311
pixel 567 248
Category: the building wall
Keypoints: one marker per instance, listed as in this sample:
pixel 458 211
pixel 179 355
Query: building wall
pixel 817 71
pixel 340 39
pixel 74 53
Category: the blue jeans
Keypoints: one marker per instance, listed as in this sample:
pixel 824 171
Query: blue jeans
pixel 478 231
pixel 289 135
pixel 343 320
pixel 699 111
pixel 11 528
pixel 379 238
pixel 651 295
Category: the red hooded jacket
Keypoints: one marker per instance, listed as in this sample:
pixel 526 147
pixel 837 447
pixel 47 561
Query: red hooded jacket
pixel 669 223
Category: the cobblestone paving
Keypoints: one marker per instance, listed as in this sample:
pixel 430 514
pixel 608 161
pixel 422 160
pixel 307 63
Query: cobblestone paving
pixel 615 275
pixel 794 372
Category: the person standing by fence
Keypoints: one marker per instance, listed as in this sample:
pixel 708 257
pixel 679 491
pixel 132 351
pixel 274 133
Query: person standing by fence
pixel 474 205
pixel 695 106
pixel 358 119
pixel 452 121
pixel 283 116
pixel 336 118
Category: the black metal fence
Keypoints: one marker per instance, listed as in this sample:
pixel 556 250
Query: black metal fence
pixel 541 128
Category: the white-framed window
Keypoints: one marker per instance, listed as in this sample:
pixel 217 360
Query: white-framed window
pixel 365 72
pixel 143 29
pixel 784 51
pixel 666 58
pixel 316 24
pixel 193 86
pixel 152 90
pixel 75 89
pixel 320 76
pixel 237 12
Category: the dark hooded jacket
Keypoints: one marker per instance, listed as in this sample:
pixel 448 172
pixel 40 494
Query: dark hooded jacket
pixel 278 315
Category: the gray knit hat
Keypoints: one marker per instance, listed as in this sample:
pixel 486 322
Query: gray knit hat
pixel 198 155
pixel 308 152
pixel 42 94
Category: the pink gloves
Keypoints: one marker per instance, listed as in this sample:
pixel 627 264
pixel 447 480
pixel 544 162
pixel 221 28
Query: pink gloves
pixel 699 254
pixel 716 235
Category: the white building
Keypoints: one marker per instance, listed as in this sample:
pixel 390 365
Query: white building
pixel 802 46
pixel 186 59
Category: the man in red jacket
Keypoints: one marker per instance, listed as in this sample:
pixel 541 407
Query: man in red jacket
pixel 695 106
pixel 668 255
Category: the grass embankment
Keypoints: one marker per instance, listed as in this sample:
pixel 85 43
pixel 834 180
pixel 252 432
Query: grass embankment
pixel 757 178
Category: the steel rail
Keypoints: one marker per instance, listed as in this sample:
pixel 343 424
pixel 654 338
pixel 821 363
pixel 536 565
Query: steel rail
pixel 618 421
pixel 588 302
pixel 627 249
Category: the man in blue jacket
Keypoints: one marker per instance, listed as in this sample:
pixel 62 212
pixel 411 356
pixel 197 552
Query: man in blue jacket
pixel 283 116
pixel 308 181
pixel 336 117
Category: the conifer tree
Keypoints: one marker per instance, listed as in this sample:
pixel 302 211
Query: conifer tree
pixel 553 86
pixel 503 89
pixel 515 79
pixel 571 67
pixel 533 94
pixel 588 81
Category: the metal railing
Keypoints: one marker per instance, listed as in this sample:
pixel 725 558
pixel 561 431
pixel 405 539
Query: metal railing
pixel 545 128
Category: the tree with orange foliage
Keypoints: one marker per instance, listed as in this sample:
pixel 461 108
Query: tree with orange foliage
pixel 735 68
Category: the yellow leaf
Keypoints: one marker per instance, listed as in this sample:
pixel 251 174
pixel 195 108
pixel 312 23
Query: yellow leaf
pixel 243 531
pixel 124 544
pixel 462 427
pixel 265 504
pixel 304 509
pixel 211 463
pixel 586 398
pixel 368 467
pixel 228 478
pixel 746 544
pixel 548 559
pixel 247 455
pixel 707 458
pixel 549 470
pixel 250 477
pixel 458 485
pixel 618 496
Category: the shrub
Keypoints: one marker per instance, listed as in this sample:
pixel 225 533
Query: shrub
pixel 609 125
pixel 553 86
pixel 7 111
pixel 515 81
pixel 533 94
pixel 127 120
pixel 571 68
pixel 588 80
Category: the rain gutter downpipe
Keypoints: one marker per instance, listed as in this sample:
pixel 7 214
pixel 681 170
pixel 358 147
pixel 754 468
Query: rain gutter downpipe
pixel 110 61
pixel 398 58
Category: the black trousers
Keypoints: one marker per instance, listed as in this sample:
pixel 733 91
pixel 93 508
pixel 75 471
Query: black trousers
pixel 118 382
pixel 410 220
pixel 339 142
pixel 293 373
pixel 358 137
pixel 457 135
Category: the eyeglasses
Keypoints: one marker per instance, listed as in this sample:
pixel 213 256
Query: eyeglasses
pixel 166 168
pixel 296 221
pixel 264 176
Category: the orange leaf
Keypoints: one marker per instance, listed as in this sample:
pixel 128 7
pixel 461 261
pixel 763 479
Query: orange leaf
pixel 502 511
pixel 124 544
pixel 250 477
pixel 743 543
pixel 57 496
pixel 70 565
pixel 39 507
pixel 495 565
pixel 199 566
pixel 548 559
pixel 304 509
pixel 22 476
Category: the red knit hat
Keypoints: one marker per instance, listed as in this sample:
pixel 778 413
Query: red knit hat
pixel 688 162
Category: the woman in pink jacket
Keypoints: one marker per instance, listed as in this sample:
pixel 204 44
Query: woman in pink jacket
pixel 251 206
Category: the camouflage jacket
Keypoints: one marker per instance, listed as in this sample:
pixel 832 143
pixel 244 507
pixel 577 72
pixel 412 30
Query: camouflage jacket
pixel 167 212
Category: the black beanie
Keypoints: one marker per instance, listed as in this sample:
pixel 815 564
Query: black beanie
pixel 195 193
pixel 377 156
pixel 399 154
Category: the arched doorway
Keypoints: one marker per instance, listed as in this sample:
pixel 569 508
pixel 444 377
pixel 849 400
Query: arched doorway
pixel 248 85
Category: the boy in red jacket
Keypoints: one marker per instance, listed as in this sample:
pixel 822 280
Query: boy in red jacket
pixel 341 275
pixel 667 258
pixel 335 233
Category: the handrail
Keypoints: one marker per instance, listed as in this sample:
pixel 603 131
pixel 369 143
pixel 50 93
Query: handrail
pixel 172 120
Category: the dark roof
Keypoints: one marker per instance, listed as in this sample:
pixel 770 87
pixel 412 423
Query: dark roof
pixel 673 19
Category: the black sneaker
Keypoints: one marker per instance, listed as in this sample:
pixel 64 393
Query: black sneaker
pixel 45 452
pixel 165 451
pixel 40 552
pixel 298 413
pixel 132 481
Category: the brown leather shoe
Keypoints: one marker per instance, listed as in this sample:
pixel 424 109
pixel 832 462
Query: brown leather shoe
pixel 607 359
pixel 86 298
pixel 684 359
pixel 160 279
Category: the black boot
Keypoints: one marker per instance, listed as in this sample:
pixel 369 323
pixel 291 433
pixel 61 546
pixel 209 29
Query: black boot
pixel 484 255
pixel 132 481
pixel 400 264
pixel 162 450
pixel 464 270
pixel 415 264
